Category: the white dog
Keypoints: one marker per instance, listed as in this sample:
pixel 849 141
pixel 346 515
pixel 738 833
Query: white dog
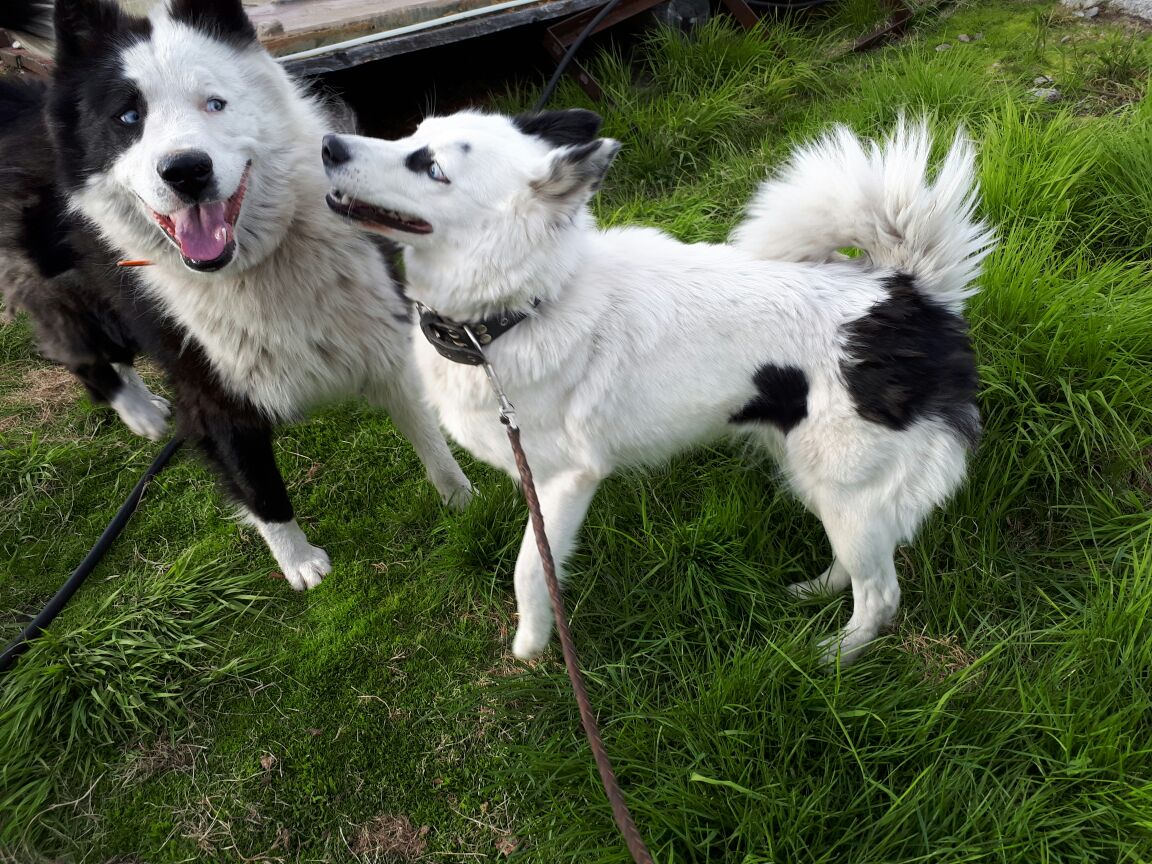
pixel 629 346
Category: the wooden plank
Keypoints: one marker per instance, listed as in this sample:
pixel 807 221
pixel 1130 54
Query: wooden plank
pixel 437 35
pixel 286 28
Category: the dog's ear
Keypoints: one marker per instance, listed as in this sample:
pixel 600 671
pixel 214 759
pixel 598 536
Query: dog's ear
pixel 83 25
pixel 222 19
pixel 572 174
pixel 560 128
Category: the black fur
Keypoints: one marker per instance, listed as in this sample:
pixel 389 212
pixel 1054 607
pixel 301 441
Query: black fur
pixel 57 270
pixel 27 16
pixel 911 358
pixel 234 436
pixel 224 20
pixel 89 32
pixel 45 232
pixel 561 128
pixel 419 161
pixel 91 92
pixel 782 399
pixel 89 314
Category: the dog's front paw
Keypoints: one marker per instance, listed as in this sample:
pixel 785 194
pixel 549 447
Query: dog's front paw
pixel 530 642
pixel 309 569
pixel 147 416
pixel 458 498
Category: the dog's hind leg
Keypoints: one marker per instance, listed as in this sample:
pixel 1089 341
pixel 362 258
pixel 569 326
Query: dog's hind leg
pixel 863 540
pixel 832 581
pixel 564 501
pixel 400 397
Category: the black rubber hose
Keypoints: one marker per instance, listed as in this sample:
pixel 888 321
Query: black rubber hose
pixel 546 93
pixel 57 603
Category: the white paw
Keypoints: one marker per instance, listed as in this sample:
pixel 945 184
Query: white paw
pixel 530 642
pixel 142 411
pixel 458 498
pixel 147 417
pixel 310 570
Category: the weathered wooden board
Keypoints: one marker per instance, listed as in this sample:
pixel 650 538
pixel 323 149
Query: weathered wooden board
pixel 320 27
pixel 289 27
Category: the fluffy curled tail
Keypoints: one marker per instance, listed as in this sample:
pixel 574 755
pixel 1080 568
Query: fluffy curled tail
pixel 841 192
pixel 30 21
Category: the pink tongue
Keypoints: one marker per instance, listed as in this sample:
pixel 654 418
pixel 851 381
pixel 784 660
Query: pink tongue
pixel 202 231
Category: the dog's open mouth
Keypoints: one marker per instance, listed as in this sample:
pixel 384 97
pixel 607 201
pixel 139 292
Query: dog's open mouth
pixel 375 217
pixel 205 233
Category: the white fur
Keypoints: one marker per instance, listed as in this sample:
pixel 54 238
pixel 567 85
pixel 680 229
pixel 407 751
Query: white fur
pixel 840 192
pixel 304 565
pixel 643 346
pixel 306 312
pixel 142 411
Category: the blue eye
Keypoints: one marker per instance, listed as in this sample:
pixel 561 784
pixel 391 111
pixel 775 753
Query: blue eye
pixel 130 117
pixel 215 104
pixel 437 173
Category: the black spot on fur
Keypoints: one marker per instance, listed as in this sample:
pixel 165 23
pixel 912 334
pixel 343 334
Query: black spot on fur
pixel 419 161
pixel 782 399
pixel 224 20
pixel 910 358
pixel 561 128
pixel 90 91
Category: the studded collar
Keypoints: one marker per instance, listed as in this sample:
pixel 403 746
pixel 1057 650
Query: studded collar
pixel 448 337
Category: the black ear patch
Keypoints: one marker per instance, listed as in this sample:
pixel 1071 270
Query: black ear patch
pixel 222 19
pixel 561 128
pixel 85 27
pixel 577 169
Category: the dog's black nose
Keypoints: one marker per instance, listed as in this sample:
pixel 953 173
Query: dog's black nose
pixel 188 172
pixel 335 151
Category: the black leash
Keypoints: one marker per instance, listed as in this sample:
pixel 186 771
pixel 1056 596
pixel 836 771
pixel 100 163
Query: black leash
pixel 21 643
pixel 546 93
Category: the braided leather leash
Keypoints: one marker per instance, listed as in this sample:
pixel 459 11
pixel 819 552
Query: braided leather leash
pixel 632 838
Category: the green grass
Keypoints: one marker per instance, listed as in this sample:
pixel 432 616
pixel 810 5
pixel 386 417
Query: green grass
pixel 188 708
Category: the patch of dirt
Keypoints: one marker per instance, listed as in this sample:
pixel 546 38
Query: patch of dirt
pixel 942 657
pixel 45 391
pixel 161 756
pixel 45 388
pixel 389 838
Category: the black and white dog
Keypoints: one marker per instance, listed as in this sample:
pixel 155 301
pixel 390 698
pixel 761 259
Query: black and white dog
pixel 179 140
pixel 856 375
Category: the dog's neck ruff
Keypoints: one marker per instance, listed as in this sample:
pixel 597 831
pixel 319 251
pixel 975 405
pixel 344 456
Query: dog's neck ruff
pixel 449 338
